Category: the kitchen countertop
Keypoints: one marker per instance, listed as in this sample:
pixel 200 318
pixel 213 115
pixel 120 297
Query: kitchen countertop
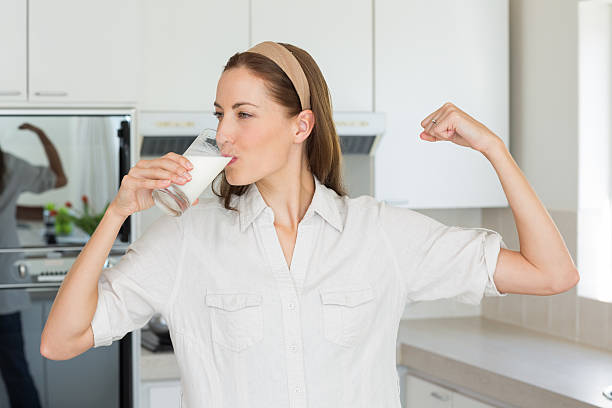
pixel 158 366
pixel 499 361
pixel 505 362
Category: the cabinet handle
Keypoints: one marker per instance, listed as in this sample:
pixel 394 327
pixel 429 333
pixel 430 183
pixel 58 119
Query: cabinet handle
pixel 10 93
pixel 51 93
pixel 439 396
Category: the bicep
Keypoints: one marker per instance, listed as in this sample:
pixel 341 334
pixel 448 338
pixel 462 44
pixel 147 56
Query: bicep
pixel 515 274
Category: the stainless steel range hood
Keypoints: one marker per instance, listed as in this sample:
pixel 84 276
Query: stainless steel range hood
pixel 359 133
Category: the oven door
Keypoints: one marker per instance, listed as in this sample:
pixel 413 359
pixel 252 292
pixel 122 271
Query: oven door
pixel 60 168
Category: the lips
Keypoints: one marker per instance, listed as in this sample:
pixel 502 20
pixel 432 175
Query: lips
pixel 234 158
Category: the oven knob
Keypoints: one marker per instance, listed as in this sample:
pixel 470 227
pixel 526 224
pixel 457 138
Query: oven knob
pixel 22 269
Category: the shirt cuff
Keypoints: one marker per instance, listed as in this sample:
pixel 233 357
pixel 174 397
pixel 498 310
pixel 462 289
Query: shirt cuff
pixel 100 324
pixel 492 246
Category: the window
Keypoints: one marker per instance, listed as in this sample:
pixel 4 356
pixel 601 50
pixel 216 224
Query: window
pixel 594 241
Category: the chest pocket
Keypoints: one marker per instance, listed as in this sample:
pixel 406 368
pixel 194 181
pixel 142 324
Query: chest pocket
pixel 236 319
pixel 347 314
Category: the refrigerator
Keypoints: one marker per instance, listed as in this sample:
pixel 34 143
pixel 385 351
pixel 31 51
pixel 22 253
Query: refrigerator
pixel 60 167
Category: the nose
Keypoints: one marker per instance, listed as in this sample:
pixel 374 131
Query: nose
pixel 221 137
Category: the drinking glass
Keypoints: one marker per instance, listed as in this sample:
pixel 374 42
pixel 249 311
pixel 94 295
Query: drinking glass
pixel 207 162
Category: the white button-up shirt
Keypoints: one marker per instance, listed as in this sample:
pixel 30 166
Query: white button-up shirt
pixel 249 331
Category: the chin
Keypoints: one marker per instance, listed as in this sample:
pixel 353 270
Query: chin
pixel 237 179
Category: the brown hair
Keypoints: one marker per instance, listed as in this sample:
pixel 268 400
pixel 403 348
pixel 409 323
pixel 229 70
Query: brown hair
pixel 322 145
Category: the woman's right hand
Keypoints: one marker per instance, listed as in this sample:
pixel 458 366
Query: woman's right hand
pixel 147 175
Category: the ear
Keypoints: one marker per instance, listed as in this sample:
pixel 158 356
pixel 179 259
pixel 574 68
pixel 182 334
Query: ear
pixel 304 121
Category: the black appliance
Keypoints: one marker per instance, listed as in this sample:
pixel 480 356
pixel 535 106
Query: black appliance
pixel 47 233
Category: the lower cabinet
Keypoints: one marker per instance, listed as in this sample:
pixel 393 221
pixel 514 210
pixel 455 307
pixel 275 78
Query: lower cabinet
pixel 424 394
pixel 160 394
pixel 461 401
pixel 89 380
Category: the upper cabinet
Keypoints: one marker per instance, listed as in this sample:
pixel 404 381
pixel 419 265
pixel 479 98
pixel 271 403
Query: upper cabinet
pixel 84 51
pixel 429 52
pixel 337 34
pixel 13 37
pixel 185 48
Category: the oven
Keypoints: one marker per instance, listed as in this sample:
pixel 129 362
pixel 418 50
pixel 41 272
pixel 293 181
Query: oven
pixel 59 168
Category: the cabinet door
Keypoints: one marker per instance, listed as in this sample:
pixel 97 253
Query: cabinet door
pixel 429 52
pixel 461 401
pixel 13 37
pixel 423 394
pixel 161 394
pixel 84 51
pixel 185 48
pixel 88 380
pixel 337 34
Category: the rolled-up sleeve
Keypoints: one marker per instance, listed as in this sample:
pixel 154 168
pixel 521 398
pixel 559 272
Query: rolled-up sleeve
pixel 437 261
pixel 36 179
pixel 140 284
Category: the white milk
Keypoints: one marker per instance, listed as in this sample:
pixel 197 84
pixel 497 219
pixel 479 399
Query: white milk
pixel 205 169
pixel 176 198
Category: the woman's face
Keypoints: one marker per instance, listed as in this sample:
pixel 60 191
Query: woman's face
pixel 253 128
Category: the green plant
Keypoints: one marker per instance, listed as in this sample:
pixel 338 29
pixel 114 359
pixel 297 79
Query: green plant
pixel 87 220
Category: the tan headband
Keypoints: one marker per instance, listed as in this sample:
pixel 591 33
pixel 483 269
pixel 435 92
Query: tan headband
pixel 289 64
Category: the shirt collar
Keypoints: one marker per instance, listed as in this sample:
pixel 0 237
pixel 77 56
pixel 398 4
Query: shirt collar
pixel 324 202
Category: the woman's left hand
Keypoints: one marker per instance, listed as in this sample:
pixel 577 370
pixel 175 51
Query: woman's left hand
pixel 451 123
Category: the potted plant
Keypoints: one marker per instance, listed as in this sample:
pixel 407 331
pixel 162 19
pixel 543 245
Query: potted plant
pixel 87 220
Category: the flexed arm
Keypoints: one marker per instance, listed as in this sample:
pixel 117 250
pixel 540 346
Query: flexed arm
pixel 543 266
pixel 54 160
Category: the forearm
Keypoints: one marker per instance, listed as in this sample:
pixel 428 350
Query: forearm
pixel 54 160
pixel 75 304
pixel 539 239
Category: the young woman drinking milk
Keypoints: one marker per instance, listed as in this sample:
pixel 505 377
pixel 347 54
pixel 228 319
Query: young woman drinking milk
pixel 284 292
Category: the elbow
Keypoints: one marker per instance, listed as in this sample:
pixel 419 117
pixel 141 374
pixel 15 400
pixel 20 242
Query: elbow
pixel 45 351
pixel 568 281
pixel 61 181
pixel 48 351
pixel 51 351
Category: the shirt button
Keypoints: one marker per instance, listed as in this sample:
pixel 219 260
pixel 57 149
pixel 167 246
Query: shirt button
pixel 291 306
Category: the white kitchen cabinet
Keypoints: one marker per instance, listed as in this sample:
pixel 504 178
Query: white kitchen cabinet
pixel 160 394
pixel 461 401
pixel 13 38
pixel 185 48
pixel 429 52
pixel 337 34
pixel 424 394
pixel 84 51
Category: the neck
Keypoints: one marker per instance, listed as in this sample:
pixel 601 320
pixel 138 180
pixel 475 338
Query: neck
pixel 289 193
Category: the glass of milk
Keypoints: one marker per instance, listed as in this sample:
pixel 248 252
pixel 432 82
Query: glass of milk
pixel 207 162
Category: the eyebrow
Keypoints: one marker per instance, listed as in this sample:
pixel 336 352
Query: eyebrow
pixel 236 105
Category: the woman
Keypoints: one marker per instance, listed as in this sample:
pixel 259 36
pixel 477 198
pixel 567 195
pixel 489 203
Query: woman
pixel 19 176
pixel 285 292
